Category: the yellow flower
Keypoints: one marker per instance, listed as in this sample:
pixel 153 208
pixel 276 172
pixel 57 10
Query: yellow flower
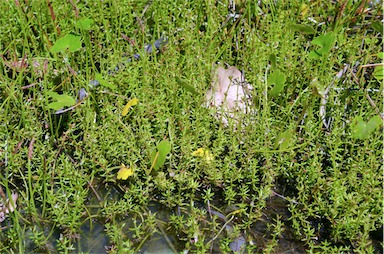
pixel 124 172
pixel 130 103
pixel 199 152
pixel 203 153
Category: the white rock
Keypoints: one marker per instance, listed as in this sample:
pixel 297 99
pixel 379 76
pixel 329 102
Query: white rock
pixel 229 94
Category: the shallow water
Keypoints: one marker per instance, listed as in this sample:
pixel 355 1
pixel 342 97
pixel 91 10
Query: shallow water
pixel 93 238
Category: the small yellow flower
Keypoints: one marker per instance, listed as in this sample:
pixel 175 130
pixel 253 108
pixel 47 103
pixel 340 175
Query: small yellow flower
pixel 203 153
pixel 130 103
pixel 124 172
pixel 198 153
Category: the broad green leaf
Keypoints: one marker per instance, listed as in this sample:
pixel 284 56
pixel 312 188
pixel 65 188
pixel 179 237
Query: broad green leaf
pixel 378 26
pixel 84 24
pixel 187 86
pixel 164 147
pixel 314 55
pixel 304 9
pixel 68 100
pixel 373 123
pixel 160 160
pixel 302 28
pixel 63 100
pixel 283 140
pixel 71 42
pixel 378 72
pixel 55 105
pixel 277 80
pixel 272 59
pixel 54 95
pixel 103 82
pixel 325 42
pixel 380 55
pixel 158 157
pixel 361 129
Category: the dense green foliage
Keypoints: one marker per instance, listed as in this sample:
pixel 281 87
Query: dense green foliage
pixel 287 179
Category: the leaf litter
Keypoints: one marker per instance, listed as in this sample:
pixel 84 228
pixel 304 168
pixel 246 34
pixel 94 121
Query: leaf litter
pixel 8 206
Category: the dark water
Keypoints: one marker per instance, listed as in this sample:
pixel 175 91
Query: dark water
pixel 93 237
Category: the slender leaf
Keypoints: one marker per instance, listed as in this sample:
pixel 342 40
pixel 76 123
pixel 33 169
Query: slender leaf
pixel 187 86
pixel 103 82
pixel 302 28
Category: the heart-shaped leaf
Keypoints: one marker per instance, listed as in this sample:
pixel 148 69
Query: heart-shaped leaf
pixel 283 140
pixel 277 80
pixel 361 129
pixel 325 42
pixel 84 24
pixel 378 73
pixel 71 42
pixel 373 123
pixel 63 100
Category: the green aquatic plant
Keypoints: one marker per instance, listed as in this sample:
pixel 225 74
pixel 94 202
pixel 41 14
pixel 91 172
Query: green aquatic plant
pixel 281 179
